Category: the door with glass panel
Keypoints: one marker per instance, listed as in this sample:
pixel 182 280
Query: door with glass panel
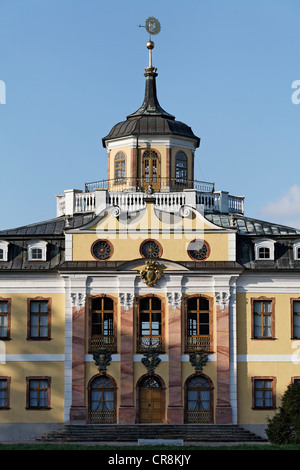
pixel 150 170
pixel 199 406
pixel 102 401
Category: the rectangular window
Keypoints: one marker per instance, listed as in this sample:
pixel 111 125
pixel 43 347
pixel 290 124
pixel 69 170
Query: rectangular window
pixel 102 328
pixel 4 392
pixel 295 319
pixel 263 392
pixel 39 318
pixel 4 319
pixel 198 324
pixel 38 392
pixel 263 318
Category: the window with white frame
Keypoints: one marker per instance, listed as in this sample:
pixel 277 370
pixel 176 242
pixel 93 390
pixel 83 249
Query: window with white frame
pixel 3 250
pixel 264 249
pixel 37 250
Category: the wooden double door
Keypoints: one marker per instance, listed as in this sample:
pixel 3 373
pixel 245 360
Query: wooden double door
pixel 151 398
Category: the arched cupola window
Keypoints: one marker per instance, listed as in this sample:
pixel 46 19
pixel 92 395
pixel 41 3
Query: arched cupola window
pixel 120 167
pixel 181 168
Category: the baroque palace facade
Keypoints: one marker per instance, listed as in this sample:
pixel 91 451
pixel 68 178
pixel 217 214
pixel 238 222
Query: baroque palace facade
pixel 150 298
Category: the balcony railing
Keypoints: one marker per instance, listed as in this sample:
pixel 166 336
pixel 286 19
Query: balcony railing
pixel 141 184
pixel 195 343
pixel 100 195
pixel 150 342
pixel 199 416
pixel 102 342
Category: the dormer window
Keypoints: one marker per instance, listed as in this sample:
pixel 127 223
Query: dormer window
pixel 264 249
pixel 296 250
pixel 3 250
pixel 37 250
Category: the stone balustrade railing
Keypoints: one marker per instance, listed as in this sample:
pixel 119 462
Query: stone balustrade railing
pixel 76 201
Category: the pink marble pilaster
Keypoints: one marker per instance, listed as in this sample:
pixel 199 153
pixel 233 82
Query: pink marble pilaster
pixel 223 408
pixel 175 407
pixel 78 408
pixel 127 410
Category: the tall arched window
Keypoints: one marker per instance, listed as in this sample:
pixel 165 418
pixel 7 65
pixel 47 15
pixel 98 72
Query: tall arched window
pixel 120 167
pixel 198 324
pixel 181 168
pixel 199 400
pixel 150 324
pixel 102 400
pixel 102 330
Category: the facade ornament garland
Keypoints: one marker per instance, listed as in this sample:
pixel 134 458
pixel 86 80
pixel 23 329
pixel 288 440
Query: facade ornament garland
pixel 151 359
pixel 78 300
pixel 102 359
pixel 126 300
pixel 174 299
pixel 222 299
pixel 198 359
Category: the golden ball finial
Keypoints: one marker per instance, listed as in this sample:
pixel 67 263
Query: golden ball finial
pixel 150 45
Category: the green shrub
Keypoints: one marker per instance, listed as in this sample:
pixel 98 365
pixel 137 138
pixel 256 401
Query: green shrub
pixel 284 427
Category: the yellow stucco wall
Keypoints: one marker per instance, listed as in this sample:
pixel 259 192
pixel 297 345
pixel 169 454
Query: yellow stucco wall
pixel 281 365
pixel 173 237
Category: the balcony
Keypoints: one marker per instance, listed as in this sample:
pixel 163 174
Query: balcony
pixel 167 195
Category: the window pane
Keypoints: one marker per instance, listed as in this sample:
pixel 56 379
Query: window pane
pixel 3 325
pixel 267 306
pixel 44 306
pixel 257 306
pixel 34 306
pixel 3 307
pixel 296 306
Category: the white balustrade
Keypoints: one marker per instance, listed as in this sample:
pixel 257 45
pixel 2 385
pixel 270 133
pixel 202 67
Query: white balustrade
pixel 84 202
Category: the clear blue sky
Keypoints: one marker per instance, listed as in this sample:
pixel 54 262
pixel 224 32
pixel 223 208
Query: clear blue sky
pixel 74 68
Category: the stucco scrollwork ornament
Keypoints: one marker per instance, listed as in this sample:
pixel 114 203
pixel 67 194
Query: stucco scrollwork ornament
pixel 116 211
pixel 222 299
pixel 151 359
pixel 78 300
pixel 102 359
pixel 184 211
pixel 126 300
pixel 151 273
pixel 174 299
pixel 198 359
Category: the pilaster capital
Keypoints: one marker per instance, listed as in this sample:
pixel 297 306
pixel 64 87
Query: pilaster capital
pixel 174 299
pixel 126 300
pixel 222 299
pixel 78 300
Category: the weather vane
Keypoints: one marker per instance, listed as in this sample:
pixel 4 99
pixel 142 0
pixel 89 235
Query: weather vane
pixel 152 25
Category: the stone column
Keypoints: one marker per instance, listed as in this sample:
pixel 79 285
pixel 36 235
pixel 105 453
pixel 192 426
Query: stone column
pixel 175 407
pixel 78 408
pixel 223 408
pixel 127 409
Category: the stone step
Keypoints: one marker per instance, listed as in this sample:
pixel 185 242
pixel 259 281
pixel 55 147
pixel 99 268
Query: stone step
pixel 131 433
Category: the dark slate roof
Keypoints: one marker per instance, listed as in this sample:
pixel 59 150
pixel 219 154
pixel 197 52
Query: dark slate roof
pixel 150 119
pixel 52 231
pixel 52 227
pixel 253 227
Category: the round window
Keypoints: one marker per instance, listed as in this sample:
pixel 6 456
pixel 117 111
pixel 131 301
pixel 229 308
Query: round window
pixel 198 250
pixel 102 249
pixel 150 249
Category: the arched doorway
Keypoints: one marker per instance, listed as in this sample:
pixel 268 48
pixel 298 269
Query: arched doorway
pixel 102 400
pixel 151 400
pixel 198 399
